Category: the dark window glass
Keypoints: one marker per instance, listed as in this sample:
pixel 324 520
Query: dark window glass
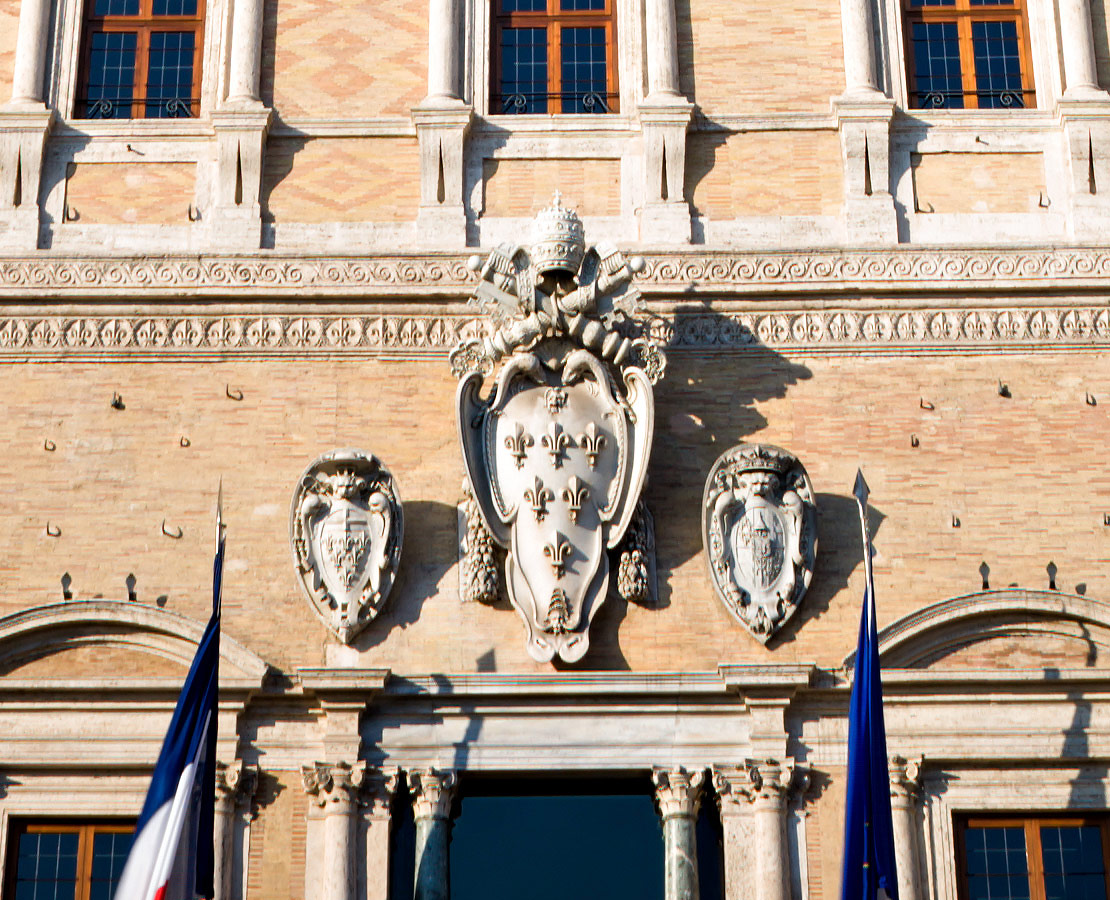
pixel 572 5
pixel 711 853
pixel 116 8
pixel 996 864
pixel 936 55
pixel 174 7
pixel 109 854
pixel 402 846
pixel 584 70
pixel 111 82
pixel 992 2
pixel 524 70
pixel 509 6
pixel 997 64
pixel 170 75
pixel 920 3
pixel 65 861
pixel 590 841
pixel 1074 868
pixel 47 867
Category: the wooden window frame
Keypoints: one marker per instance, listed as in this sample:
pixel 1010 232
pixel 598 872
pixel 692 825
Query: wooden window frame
pixel 143 25
pixel 1034 855
pixel 86 832
pixel 553 20
pixel 964 14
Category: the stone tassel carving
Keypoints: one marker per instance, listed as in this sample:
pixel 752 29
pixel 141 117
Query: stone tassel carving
pixel 557 455
pixel 678 793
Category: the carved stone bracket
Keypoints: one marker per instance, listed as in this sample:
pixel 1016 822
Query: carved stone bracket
pixel 433 791
pixel 334 787
pixel 678 791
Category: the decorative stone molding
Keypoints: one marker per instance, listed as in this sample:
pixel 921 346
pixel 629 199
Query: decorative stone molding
pixel 235 785
pixel 433 791
pixel 377 790
pixel 417 335
pixel 759 530
pixel 346 528
pixel 905 793
pixel 440 274
pixel 334 787
pixel 905 778
pixel 767 781
pixel 557 455
pixel 678 791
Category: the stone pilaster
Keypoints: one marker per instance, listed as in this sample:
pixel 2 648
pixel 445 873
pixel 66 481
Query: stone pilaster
pixel 759 789
pixel 678 793
pixel 235 787
pixel 441 128
pixel 334 789
pixel 864 125
pixel 665 216
pixel 378 788
pixel 905 794
pixel 432 793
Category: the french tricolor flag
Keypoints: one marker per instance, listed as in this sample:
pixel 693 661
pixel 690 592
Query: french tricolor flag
pixel 172 855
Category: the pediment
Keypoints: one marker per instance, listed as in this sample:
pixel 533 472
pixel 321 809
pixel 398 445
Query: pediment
pixel 1007 629
pixel 111 639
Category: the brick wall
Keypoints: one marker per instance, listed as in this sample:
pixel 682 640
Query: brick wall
pixel 519 187
pixel 341 180
pixel 9 27
pixel 764 173
pixel 978 182
pixel 130 193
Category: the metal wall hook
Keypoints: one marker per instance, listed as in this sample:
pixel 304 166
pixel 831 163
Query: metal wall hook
pixel 70 213
pixel 1106 518
pixel 185 442
pixel 984 573
pixel 176 535
pixel 914 441
pixel 955 521
pixel 130 582
pixel 1051 570
pixel 67 583
pixel 194 213
pixel 233 395
pixel 49 446
pixel 1003 389
pixel 926 405
pixel 53 532
pixel 1091 401
pixel 117 401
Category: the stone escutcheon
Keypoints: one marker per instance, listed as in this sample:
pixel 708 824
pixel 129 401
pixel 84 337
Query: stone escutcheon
pixel 346 527
pixel 759 527
pixel 556 456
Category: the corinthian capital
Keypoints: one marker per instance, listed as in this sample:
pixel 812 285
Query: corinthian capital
pixel 432 792
pixel 378 788
pixel 334 786
pixel 235 783
pixel 764 781
pixel 905 777
pixel 678 791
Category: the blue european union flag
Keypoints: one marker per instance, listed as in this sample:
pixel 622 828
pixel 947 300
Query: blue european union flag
pixel 868 830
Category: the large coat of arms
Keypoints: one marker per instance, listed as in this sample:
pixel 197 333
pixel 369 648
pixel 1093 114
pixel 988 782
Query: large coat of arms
pixel 557 454
pixel 760 530
pixel 345 528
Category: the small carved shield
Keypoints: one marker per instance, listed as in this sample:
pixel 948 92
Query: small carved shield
pixel 760 534
pixel 346 529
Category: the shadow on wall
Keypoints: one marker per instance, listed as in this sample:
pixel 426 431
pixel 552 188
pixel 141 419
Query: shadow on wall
pixel 705 405
pixel 430 549
pixel 1088 789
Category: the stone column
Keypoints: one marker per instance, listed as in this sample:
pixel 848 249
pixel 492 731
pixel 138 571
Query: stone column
pixel 444 49
pixel 30 54
pixel 235 787
pixel 245 69
pixel 662 49
pixel 378 789
pixel 905 789
pixel 678 793
pixel 432 793
pixel 334 789
pixel 1078 46
pixel 861 74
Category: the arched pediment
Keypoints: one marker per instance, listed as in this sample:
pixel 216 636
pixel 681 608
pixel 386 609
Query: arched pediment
pixel 1010 628
pixel 111 632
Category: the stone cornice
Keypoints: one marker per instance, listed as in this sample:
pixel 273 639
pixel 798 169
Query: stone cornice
pixel 892 328
pixel 283 276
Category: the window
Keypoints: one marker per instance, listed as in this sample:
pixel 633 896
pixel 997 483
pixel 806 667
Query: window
pixel 1033 858
pixel 140 59
pixel 554 56
pixel 968 54
pixel 66 861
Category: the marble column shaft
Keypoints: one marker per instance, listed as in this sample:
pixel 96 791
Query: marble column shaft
pixel 662 49
pixel 904 790
pixel 30 53
pixel 334 788
pixel 444 52
pixel 432 793
pixel 1078 47
pixel 235 785
pixel 246 52
pixel 861 76
pixel 678 793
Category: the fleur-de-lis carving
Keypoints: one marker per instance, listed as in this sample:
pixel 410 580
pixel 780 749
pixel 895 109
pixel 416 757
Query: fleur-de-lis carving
pixel 518 445
pixel 539 497
pixel 575 494
pixel 556 441
pixel 592 442
pixel 557 552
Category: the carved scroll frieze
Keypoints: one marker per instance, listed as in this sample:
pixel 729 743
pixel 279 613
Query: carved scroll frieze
pixel 759 527
pixel 346 528
pixel 557 455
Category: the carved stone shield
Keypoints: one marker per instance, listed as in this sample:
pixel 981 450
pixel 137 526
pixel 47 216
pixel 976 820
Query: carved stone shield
pixel 557 458
pixel 760 534
pixel 345 528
